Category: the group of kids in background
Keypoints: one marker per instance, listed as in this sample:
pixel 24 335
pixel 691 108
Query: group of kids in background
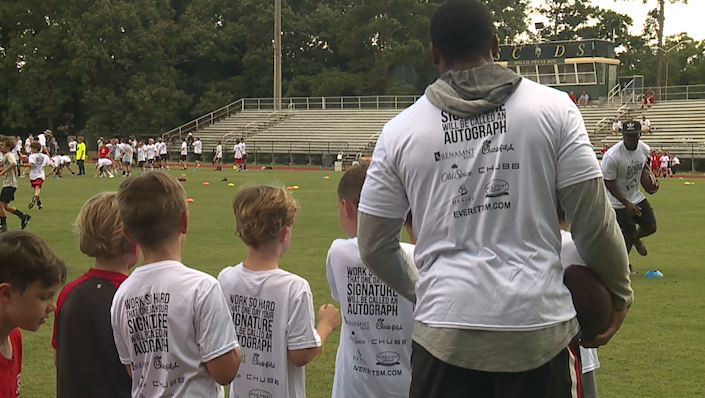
pixel 663 164
pixel 170 330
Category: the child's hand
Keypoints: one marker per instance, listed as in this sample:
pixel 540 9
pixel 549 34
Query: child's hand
pixel 330 315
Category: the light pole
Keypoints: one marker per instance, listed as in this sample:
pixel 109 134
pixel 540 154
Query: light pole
pixel 277 54
pixel 666 52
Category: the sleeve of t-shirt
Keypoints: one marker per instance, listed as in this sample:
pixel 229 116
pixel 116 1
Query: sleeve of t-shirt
pixel 115 322
pixel 215 332
pixel 609 168
pixel 569 253
pixel 576 160
pixel 301 329
pixel 383 194
pixel 330 275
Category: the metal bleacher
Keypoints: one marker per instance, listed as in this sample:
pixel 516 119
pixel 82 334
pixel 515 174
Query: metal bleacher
pixel 316 127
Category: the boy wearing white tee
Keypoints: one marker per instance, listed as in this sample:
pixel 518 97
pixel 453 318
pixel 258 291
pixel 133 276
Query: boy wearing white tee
pixel 272 309
pixel 237 151
pixel 72 148
pixel 171 324
pixel 151 153
pixel 218 156
pixel 183 154
pixel 198 151
pixel 37 161
pixel 374 353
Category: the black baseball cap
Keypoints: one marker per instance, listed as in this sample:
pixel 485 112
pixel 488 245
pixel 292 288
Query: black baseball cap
pixel 632 127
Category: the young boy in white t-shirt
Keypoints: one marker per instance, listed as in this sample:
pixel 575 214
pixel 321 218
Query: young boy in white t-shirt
pixel 37 161
pixel 151 153
pixel 272 309
pixel 218 157
pixel 374 354
pixel 141 154
pixel 588 356
pixel 171 324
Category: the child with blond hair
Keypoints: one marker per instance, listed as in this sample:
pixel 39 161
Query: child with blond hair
pixel 84 351
pixel 272 309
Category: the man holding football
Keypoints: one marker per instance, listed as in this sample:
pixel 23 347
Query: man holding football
pixel 623 166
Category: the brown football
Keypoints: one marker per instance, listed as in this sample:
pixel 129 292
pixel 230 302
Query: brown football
pixel 591 299
pixel 649 182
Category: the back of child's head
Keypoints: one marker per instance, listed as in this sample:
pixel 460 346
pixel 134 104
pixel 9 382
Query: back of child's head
pixel 261 212
pixel 62 153
pixel 350 185
pixel 9 141
pixel 36 146
pixel 99 227
pixel 151 207
pixel 25 258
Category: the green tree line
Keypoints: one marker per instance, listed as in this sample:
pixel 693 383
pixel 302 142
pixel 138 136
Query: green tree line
pixel 104 67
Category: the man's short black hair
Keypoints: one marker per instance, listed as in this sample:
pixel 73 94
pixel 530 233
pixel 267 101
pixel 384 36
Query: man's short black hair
pixel 462 30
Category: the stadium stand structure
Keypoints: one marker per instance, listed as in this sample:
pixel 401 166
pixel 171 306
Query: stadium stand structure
pixel 313 129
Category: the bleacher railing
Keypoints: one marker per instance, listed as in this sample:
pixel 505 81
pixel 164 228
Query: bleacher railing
pixel 270 149
pixel 363 102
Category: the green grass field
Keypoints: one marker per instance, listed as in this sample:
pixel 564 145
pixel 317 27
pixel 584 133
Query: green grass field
pixel 658 352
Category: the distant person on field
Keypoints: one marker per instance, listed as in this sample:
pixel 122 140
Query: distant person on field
pixel 573 97
pixel 183 154
pixel 198 151
pixel 84 350
pixel 663 168
pixel 280 344
pixel 584 98
pixel 655 161
pixel 645 125
pixel 171 324
pixel 237 154
pixel 622 166
pixel 30 275
pixel 588 356
pixel 616 126
pixel 72 149
pixel 493 318
pixel 244 153
pixel 141 154
pixel 675 164
pixel 218 156
pixel 360 370
pixel 81 155
pixel 9 185
pixel 648 98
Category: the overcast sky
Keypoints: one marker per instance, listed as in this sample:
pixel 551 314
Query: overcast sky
pixel 679 17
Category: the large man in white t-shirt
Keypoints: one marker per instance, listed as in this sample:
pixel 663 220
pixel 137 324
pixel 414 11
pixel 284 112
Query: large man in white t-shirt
pixel 622 166
pixel 481 161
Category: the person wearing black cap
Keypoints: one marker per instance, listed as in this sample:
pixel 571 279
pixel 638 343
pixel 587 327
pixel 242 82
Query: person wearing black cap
pixel 622 166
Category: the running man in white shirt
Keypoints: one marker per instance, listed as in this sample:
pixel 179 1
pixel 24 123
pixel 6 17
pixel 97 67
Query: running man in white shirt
pixel 374 353
pixel 237 153
pixel 198 151
pixel 478 159
pixel 183 154
pixel 277 344
pixel 171 324
pixel 622 167
pixel 218 156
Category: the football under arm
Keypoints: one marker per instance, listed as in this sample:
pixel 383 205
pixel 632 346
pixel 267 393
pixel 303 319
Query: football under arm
pixel 223 369
pixel 379 238
pixel 597 236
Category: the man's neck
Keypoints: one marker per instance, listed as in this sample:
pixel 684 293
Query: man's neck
pixel 460 66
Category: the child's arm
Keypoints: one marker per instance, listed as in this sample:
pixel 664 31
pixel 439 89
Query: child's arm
pixel 328 320
pixel 215 336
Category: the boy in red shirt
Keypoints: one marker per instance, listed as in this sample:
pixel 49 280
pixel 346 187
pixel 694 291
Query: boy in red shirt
pixel 103 152
pixel 30 275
